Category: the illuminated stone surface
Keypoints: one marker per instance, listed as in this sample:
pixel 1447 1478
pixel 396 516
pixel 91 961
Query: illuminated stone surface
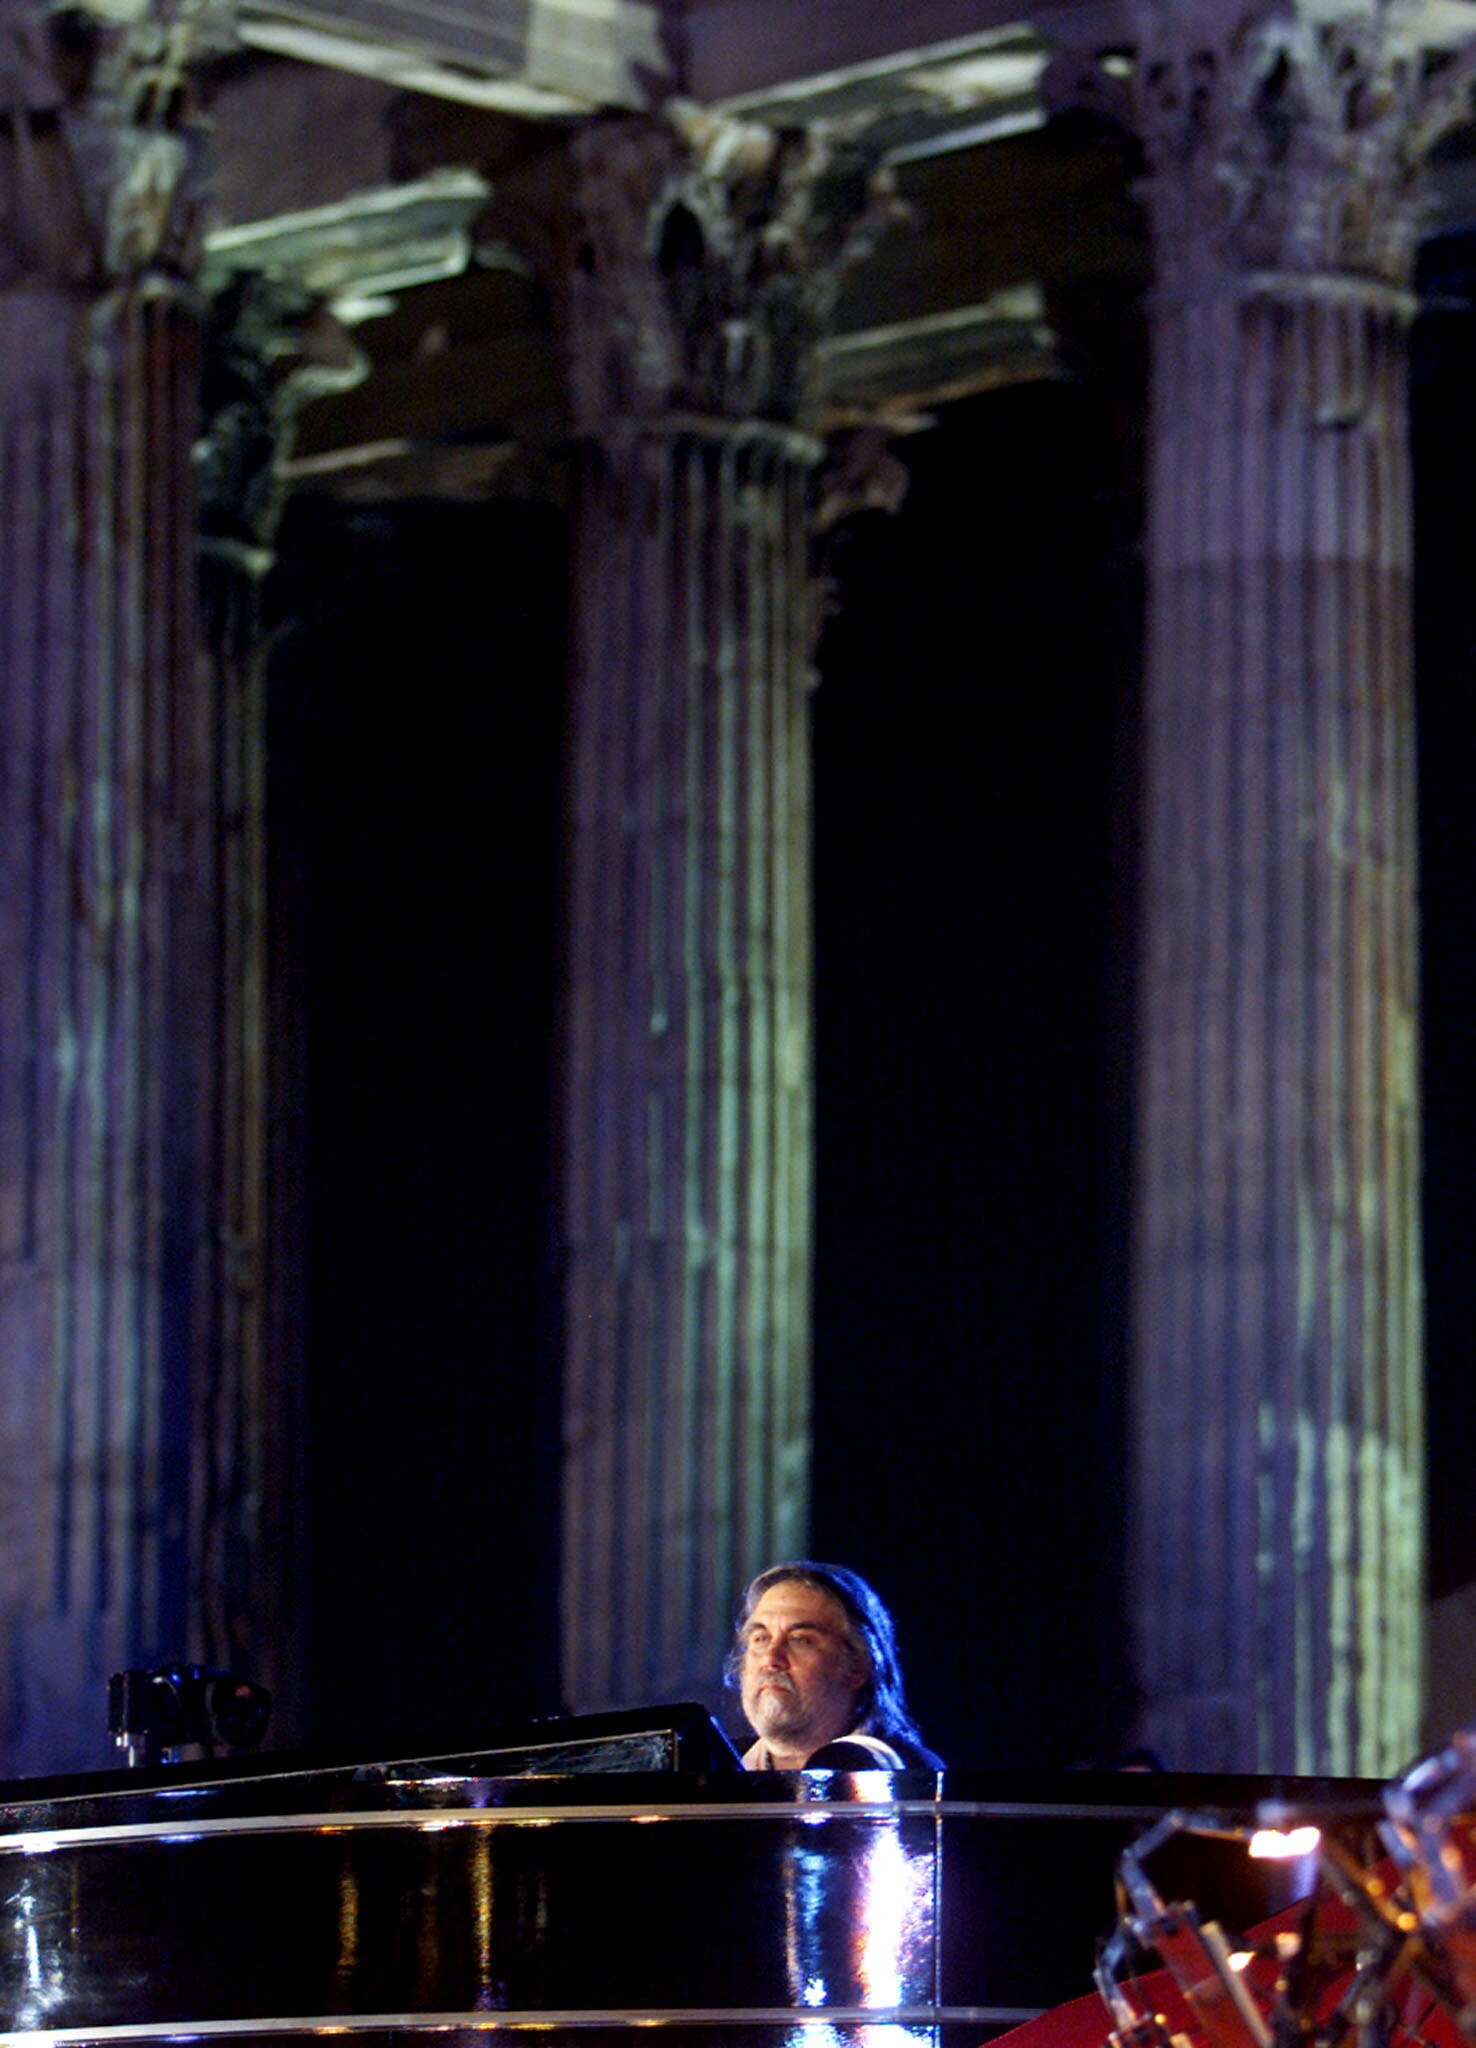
pixel 1277 1315
pixel 113 1210
pixel 687 1073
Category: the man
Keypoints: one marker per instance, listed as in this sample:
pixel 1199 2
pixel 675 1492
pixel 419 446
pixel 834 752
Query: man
pixel 814 1658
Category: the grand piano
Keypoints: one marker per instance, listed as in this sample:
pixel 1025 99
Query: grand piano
pixel 579 1883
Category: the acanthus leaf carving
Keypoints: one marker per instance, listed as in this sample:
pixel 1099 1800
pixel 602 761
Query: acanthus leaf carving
pixel 712 254
pixel 100 163
pixel 270 348
pixel 1280 139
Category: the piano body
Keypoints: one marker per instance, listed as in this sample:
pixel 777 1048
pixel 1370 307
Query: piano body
pixel 588 1882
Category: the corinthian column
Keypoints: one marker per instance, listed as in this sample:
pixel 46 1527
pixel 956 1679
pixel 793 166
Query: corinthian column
pixel 110 1002
pixel 699 293
pixel 1277 1485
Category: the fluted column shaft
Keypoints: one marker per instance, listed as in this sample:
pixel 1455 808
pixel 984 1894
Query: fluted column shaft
pixel 247 1431
pixel 688 1115
pixel 267 346
pixel 110 1008
pixel 1277 1328
pixel 704 274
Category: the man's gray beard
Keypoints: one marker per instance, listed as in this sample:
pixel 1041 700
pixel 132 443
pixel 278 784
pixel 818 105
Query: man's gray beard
pixel 777 1712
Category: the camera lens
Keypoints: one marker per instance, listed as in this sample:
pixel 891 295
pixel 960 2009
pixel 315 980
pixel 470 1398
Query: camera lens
pixel 236 1711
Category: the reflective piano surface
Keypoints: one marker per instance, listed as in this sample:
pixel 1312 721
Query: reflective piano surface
pixel 574 1890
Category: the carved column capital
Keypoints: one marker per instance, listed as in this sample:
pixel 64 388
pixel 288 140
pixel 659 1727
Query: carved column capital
pixel 710 254
pixel 270 348
pixel 284 295
pixel 100 163
pixel 1283 141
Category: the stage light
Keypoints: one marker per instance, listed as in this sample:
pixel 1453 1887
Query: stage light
pixel 1284 1845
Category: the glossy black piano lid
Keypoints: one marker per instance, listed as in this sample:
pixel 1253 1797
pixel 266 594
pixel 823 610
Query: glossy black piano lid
pixel 401 1901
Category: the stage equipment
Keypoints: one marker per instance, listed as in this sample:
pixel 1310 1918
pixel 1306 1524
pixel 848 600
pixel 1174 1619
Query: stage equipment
pixel 1432 1831
pixel 153 1715
pixel 1333 1966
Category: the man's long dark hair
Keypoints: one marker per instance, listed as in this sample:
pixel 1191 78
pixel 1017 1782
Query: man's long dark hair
pixel 881 1708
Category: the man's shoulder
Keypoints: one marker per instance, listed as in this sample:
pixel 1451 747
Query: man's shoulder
pixel 873 1753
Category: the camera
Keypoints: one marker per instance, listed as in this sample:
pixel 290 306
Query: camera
pixel 154 1714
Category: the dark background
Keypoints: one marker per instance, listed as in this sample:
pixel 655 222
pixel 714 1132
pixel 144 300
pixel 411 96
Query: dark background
pixel 974 781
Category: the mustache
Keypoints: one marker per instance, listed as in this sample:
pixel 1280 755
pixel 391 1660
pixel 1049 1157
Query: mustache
pixel 779 1679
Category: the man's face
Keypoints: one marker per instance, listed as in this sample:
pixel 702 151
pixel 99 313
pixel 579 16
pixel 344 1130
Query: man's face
pixel 801 1673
